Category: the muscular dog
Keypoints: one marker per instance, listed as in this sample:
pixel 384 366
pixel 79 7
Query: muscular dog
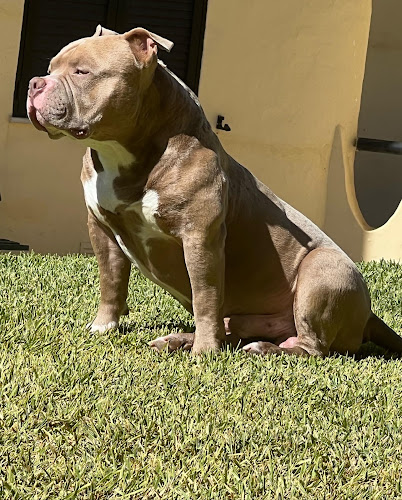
pixel 162 194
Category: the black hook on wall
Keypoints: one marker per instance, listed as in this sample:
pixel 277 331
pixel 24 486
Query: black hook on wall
pixel 220 126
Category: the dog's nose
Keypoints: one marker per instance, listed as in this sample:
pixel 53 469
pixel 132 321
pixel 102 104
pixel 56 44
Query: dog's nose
pixel 36 85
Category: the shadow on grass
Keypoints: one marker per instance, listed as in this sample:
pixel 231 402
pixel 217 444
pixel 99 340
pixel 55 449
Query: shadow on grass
pixel 370 350
pixel 173 327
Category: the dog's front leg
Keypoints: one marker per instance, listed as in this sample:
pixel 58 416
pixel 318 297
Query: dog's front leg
pixel 204 254
pixel 114 270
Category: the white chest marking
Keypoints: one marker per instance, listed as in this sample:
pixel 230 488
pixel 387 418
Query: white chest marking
pixel 147 209
pixel 150 205
pixel 99 189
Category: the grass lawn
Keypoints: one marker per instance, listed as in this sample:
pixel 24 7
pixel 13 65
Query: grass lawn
pixel 103 416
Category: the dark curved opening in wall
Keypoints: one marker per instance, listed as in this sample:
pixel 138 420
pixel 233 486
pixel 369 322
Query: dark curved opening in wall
pixel 378 176
pixel 378 183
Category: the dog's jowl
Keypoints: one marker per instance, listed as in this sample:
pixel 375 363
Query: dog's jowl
pixel 163 195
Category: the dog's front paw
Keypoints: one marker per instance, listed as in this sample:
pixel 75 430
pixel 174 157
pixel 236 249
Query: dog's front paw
pixel 96 327
pixel 173 342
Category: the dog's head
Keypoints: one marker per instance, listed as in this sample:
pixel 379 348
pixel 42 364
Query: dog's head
pixel 94 82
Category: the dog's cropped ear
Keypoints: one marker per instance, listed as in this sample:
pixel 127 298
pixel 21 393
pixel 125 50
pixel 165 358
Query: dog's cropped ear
pixel 161 42
pixel 101 31
pixel 144 45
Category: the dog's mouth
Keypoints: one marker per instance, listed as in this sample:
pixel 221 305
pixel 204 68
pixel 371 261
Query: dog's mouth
pixel 36 118
pixel 40 123
pixel 79 133
pixel 54 132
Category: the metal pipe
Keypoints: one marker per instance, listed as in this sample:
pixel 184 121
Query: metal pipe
pixel 379 146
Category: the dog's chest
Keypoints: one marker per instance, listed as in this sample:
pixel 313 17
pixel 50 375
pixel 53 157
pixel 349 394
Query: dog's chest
pixel 107 170
pixel 137 233
pixel 156 253
pixel 100 195
pixel 138 218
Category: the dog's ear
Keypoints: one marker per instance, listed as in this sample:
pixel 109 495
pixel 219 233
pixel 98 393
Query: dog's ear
pixel 161 42
pixel 101 31
pixel 144 45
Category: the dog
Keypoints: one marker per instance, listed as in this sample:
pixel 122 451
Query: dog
pixel 163 195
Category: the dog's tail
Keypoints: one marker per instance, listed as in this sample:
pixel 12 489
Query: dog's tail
pixel 381 334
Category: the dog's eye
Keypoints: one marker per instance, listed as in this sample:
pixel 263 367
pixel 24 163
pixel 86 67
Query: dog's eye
pixel 80 72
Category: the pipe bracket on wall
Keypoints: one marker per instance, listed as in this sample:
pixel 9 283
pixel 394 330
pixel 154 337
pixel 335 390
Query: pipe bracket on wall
pixel 220 126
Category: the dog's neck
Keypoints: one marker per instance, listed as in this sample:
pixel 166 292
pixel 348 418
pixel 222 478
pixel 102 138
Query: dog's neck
pixel 177 109
pixel 168 108
pixel 180 105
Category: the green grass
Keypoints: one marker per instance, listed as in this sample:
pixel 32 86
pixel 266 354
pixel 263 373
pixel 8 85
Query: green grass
pixel 102 416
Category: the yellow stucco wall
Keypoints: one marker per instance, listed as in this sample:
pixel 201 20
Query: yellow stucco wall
pixel 284 75
pixel 287 76
pixel 42 203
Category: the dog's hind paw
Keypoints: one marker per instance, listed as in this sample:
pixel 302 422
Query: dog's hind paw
pixel 173 342
pixel 262 348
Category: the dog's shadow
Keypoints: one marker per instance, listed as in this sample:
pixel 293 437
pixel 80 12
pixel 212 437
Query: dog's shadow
pixel 366 351
pixel 171 327
pixel 370 350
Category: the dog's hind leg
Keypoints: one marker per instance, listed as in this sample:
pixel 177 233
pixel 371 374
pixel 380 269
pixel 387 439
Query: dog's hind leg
pixel 331 308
